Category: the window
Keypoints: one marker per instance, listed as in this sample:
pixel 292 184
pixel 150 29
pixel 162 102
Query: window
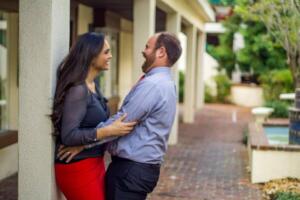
pixel 9 70
pixel 3 72
pixel 108 80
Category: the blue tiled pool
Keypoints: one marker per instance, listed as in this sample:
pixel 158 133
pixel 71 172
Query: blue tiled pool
pixel 277 134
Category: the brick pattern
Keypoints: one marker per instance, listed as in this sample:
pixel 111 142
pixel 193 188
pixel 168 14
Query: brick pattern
pixel 210 161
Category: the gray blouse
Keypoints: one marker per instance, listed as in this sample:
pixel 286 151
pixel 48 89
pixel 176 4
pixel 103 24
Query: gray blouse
pixel 83 110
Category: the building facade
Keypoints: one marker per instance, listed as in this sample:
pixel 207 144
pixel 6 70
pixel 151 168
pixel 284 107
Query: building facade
pixel 34 38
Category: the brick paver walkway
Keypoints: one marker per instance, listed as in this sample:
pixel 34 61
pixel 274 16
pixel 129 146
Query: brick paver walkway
pixel 209 163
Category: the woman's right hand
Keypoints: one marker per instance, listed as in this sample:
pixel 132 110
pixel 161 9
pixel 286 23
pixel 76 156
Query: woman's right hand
pixel 120 128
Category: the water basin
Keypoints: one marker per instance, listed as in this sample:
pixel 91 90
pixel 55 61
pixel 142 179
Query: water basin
pixel 277 134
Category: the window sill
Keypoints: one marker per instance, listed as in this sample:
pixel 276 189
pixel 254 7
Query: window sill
pixel 8 137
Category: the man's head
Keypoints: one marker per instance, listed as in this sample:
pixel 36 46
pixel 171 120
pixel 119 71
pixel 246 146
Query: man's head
pixel 162 49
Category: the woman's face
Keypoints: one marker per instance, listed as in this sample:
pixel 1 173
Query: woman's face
pixel 102 61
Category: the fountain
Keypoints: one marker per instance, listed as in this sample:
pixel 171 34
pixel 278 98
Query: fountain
pixel 294 115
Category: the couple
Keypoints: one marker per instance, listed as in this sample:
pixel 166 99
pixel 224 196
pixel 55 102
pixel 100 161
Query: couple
pixel 136 137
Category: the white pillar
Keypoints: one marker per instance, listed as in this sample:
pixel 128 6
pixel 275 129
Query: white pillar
pixel 189 86
pixel 12 47
pixel 44 41
pixel 199 99
pixel 173 26
pixel 143 28
pixel 125 59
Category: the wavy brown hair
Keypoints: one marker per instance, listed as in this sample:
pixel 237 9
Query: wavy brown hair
pixel 73 71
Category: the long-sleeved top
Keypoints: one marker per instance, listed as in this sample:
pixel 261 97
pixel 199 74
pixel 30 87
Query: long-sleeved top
pixel 152 101
pixel 82 112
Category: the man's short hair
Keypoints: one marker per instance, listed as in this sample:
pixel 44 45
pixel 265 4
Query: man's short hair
pixel 172 45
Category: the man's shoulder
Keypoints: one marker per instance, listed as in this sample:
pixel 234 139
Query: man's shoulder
pixel 158 79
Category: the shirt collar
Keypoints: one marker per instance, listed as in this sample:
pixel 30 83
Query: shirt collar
pixel 156 70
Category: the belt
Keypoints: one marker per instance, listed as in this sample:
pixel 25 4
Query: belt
pixel 119 159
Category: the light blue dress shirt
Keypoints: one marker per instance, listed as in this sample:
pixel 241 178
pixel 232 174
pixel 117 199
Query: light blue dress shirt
pixel 152 102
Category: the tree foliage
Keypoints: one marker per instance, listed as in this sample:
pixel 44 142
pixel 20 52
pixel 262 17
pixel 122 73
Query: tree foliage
pixel 260 54
pixel 281 18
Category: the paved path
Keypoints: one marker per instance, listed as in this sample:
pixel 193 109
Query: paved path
pixel 209 163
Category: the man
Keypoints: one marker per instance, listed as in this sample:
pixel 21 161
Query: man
pixel 136 157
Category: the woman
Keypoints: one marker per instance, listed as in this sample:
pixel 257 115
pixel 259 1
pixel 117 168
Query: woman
pixel 78 108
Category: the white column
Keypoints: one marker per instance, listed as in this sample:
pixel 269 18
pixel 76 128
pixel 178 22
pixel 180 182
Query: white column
pixel 143 28
pixel 12 46
pixel 199 99
pixel 189 86
pixel 44 41
pixel 125 59
pixel 173 26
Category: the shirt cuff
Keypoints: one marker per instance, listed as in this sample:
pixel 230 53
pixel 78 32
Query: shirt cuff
pixel 100 125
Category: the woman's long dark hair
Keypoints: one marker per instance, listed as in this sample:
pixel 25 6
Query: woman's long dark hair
pixel 73 71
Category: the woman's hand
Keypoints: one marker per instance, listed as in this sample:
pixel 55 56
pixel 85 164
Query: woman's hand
pixel 68 153
pixel 120 128
pixel 117 128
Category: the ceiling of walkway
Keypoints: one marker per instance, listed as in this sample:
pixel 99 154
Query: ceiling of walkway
pixel 122 7
pixel 9 5
pixel 125 9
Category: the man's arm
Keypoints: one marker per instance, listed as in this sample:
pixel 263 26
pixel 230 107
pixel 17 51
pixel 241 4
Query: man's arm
pixel 137 107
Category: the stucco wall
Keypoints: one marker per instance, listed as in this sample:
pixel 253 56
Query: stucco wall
pixel 85 17
pixel 268 165
pixel 8 160
pixel 246 95
pixel 210 71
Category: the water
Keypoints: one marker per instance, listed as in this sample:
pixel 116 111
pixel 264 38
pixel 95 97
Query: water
pixel 277 134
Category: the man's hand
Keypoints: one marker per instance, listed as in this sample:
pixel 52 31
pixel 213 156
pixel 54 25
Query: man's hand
pixel 68 153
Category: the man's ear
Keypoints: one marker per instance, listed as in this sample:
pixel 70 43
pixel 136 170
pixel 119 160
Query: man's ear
pixel 161 52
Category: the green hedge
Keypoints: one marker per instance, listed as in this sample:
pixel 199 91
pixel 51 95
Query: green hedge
pixel 286 196
pixel 280 108
pixel 223 88
pixel 275 83
pixel 181 86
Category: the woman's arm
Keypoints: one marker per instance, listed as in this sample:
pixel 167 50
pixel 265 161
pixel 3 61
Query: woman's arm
pixel 74 111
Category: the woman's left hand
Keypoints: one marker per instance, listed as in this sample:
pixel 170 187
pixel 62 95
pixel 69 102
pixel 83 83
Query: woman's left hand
pixel 68 153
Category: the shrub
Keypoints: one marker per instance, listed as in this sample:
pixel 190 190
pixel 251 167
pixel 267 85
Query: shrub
pixel 208 97
pixel 181 86
pixel 275 83
pixel 223 88
pixel 286 196
pixel 245 136
pixel 280 108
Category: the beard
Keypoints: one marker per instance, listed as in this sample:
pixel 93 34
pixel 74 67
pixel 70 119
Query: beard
pixel 149 60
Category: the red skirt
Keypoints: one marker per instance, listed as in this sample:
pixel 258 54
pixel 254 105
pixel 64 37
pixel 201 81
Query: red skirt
pixel 82 180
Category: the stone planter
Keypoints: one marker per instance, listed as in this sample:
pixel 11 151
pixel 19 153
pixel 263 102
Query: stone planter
pixel 247 95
